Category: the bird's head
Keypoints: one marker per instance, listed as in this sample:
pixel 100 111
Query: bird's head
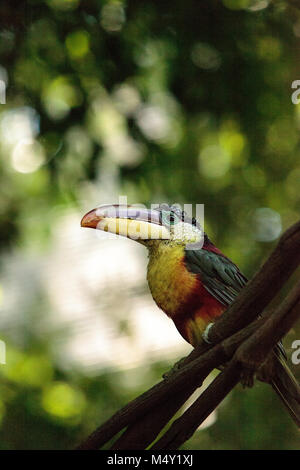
pixel 164 224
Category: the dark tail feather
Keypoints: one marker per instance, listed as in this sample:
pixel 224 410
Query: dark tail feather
pixel 288 389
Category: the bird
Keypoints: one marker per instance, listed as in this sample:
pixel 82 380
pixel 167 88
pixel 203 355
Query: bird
pixel 189 278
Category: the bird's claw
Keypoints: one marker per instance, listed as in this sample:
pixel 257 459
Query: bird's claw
pixel 247 378
pixel 205 334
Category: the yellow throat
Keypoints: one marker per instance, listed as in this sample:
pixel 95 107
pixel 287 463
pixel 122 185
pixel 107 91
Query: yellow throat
pixel 169 281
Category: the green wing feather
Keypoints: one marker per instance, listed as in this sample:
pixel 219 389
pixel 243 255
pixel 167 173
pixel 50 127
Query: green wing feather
pixel 219 275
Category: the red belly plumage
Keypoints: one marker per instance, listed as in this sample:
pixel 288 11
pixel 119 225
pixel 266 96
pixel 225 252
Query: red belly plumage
pixel 199 309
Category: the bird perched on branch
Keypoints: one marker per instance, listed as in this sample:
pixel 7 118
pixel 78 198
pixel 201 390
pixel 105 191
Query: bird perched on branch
pixel 190 279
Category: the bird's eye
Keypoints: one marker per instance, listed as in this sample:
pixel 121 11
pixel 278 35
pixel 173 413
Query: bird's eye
pixel 169 218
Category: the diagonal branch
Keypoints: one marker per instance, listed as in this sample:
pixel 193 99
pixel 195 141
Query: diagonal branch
pixel 185 426
pixel 186 379
pixel 254 351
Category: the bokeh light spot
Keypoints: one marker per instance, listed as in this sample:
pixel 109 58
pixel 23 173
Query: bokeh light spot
pixel 77 44
pixel 60 96
pixel 112 17
pixel 27 156
pixel 63 401
pixel 205 56
pixel 214 161
pixel 257 5
pixel 154 122
pixel 266 224
pixel 19 123
pixel 29 370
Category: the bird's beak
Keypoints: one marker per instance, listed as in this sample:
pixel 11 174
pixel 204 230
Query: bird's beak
pixel 129 221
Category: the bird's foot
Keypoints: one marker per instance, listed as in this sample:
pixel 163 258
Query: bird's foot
pixel 205 335
pixel 247 378
pixel 174 369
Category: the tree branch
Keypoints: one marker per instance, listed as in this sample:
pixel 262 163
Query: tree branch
pixel 186 379
pixel 185 426
pixel 254 350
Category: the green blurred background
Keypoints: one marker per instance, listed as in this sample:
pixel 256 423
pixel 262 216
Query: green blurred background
pixel 179 102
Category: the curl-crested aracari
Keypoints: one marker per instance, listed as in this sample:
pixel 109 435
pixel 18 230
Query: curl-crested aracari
pixel 190 279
